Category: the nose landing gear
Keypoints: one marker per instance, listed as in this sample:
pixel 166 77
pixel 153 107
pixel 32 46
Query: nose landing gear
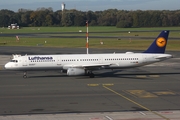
pixel 25 75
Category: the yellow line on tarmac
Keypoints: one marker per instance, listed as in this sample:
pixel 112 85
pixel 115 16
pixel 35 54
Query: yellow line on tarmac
pixel 154 76
pixel 141 76
pixel 136 103
pixel 164 93
pixel 93 85
pixel 108 84
pixel 141 93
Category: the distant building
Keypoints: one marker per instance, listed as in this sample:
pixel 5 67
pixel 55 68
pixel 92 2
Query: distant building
pixel 13 26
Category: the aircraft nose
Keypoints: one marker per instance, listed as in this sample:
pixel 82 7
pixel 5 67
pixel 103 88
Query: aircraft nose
pixel 7 66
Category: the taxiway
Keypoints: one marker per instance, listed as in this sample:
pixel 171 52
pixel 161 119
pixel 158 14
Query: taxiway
pixel 150 88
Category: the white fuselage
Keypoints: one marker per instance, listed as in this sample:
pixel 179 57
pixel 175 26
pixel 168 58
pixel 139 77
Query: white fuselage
pixel 93 61
pixel 84 64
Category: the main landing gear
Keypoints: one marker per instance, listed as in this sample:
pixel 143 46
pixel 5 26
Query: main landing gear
pixel 25 75
pixel 89 73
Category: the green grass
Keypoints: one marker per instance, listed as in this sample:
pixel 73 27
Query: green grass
pixel 76 29
pixel 125 44
pixel 113 43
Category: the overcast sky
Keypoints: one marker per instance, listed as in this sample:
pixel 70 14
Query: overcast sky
pixel 94 5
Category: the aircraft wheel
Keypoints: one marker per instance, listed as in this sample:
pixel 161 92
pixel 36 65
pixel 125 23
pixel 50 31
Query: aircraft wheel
pixel 24 76
pixel 91 75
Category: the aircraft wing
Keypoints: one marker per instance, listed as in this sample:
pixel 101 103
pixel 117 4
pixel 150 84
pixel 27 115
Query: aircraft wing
pixel 95 65
pixel 88 66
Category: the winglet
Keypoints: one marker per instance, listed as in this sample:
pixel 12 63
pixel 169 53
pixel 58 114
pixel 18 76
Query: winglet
pixel 159 44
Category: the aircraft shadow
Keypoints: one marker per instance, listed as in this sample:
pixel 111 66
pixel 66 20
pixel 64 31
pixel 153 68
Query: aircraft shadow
pixel 47 76
pixel 134 74
pixel 112 74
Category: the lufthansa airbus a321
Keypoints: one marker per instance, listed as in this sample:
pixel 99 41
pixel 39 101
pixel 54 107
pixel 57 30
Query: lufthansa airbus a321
pixel 85 64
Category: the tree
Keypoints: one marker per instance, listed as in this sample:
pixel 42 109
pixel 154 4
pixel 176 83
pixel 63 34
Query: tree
pixel 135 20
pixel 49 20
pixel 79 20
pixel 93 23
pixel 4 21
pixel 68 19
pixel 5 17
pixel 110 17
pixel 25 19
pixel 123 24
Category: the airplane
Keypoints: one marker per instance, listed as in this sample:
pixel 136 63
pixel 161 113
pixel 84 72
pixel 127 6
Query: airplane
pixel 85 64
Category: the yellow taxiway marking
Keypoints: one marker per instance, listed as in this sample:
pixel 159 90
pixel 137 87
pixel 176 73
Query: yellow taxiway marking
pixel 108 84
pixel 141 76
pixel 104 84
pixel 135 103
pixel 164 93
pixel 93 85
pixel 154 76
pixel 141 93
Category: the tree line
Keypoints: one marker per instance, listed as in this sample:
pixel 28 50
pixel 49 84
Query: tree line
pixel 110 17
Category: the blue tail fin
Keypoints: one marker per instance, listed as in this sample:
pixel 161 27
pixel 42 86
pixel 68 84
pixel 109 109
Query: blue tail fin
pixel 159 44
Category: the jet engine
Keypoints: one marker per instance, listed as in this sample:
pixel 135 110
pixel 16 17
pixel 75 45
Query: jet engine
pixel 75 71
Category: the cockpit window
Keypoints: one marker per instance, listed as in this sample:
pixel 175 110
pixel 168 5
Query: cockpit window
pixel 14 61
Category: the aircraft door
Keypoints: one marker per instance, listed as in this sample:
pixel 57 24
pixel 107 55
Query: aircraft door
pixel 24 61
pixel 59 61
pixel 100 60
pixel 144 58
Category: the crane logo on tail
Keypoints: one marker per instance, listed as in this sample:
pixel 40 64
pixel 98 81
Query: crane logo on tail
pixel 161 42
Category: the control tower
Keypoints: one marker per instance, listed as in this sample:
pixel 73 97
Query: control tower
pixel 63 6
pixel 63 13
